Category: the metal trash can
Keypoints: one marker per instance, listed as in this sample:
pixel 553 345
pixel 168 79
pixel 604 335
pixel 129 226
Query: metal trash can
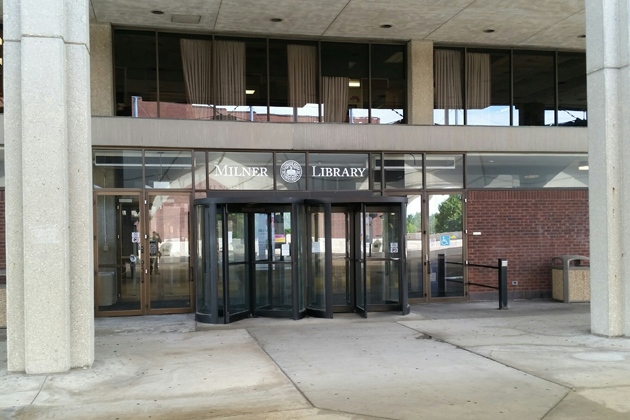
pixel 570 278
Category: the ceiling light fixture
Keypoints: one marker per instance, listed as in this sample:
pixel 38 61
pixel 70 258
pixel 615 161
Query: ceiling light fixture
pixel 250 92
pixel 386 26
pixel 275 20
pixel 582 36
pixel 157 12
pixel 354 83
pixel 191 19
pixel 583 166
pixel 488 31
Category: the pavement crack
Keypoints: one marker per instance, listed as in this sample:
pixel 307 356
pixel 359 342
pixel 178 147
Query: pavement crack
pixel 557 404
pixel 280 368
pixel 36 395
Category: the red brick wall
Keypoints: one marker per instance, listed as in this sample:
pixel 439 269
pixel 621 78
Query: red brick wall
pixel 528 228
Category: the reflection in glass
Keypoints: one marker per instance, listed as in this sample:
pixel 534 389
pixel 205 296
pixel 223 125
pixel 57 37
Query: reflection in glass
pixel 403 170
pixel 201 266
pixel 119 272
pixel 200 169
pixel 444 171
pixel 240 171
pixel 526 171
pixel 117 168
pixel 168 169
pixel 534 88
pixel 382 282
pixel 345 75
pixel 185 76
pixel 316 291
pixel 383 242
pixel 238 261
pixel 571 89
pixel 445 245
pixel 340 240
pixel 488 88
pixel 293 81
pixel 447 70
pixel 169 251
pixel 136 73
pixel 2 181
pixel 414 247
pixel 388 83
pixel 330 171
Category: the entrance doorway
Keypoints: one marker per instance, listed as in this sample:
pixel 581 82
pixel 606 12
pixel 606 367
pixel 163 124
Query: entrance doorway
pixel 298 258
pixel 142 254
pixel 436 246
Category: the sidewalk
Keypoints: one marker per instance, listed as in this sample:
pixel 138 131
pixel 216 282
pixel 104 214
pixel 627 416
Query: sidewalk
pixel 443 361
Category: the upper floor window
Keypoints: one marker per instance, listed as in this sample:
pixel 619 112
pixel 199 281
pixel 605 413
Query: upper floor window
pixel 164 75
pixel 509 87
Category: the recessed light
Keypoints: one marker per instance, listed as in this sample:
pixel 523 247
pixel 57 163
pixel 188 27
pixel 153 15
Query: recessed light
pixel 488 31
pixel 186 19
pixel 354 83
pixel 157 12
pixel 250 91
pixel 276 20
pixel 386 26
pixel 582 36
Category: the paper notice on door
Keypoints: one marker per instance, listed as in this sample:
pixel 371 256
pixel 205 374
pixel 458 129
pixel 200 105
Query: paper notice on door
pixel 286 250
pixel 315 247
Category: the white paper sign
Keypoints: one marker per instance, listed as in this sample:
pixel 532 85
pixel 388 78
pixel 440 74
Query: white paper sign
pixel 286 250
pixel 393 248
pixel 135 237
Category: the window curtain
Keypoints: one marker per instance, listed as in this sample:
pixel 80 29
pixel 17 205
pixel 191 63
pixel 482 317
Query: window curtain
pixel 448 80
pixel 302 75
pixel 197 63
pixel 229 73
pixel 478 87
pixel 335 91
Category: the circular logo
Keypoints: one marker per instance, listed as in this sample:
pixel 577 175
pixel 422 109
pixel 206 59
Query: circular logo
pixel 291 171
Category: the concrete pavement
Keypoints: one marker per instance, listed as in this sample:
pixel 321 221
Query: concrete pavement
pixel 443 361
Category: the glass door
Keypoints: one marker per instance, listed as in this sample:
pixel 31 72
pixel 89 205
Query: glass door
pixel 360 267
pixel 236 269
pixel 383 249
pixel 445 268
pixel 319 250
pixel 120 261
pixel 342 267
pixel 168 242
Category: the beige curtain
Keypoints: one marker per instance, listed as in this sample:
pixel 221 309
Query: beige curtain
pixel 335 91
pixel 448 80
pixel 302 75
pixel 197 62
pixel 229 72
pixel 478 81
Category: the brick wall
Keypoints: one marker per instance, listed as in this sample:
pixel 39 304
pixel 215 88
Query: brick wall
pixel 528 228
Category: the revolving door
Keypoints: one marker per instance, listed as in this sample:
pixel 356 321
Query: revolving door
pixel 295 257
pixel 247 261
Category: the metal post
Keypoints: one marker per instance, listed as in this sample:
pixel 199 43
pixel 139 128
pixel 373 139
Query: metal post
pixel 441 274
pixel 503 284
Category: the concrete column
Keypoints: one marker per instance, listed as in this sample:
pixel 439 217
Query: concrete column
pixel 101 70
pixel 607 24
pixel 50 321
pixel 420 82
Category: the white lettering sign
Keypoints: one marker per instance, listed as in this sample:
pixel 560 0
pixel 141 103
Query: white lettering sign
pixel 249 171
pixel 330 172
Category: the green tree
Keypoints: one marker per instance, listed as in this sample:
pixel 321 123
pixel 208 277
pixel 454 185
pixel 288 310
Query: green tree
pixel 449 216
pixel 414 223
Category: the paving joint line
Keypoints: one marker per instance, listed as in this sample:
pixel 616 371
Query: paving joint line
pixel 280 368
pixel 566 386
pixel 557 404
pixel 36 395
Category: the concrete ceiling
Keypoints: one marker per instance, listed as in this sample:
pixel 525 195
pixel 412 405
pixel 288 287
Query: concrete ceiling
pixel 521 23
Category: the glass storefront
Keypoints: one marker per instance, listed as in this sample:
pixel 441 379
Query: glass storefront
pixel 293 233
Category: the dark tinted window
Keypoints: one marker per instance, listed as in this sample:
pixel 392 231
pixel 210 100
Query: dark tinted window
pixel 534 91
pixel 571 89
pixel 388 83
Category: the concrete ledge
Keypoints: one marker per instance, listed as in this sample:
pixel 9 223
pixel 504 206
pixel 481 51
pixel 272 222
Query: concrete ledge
pixel 147 132
pixel 515 295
